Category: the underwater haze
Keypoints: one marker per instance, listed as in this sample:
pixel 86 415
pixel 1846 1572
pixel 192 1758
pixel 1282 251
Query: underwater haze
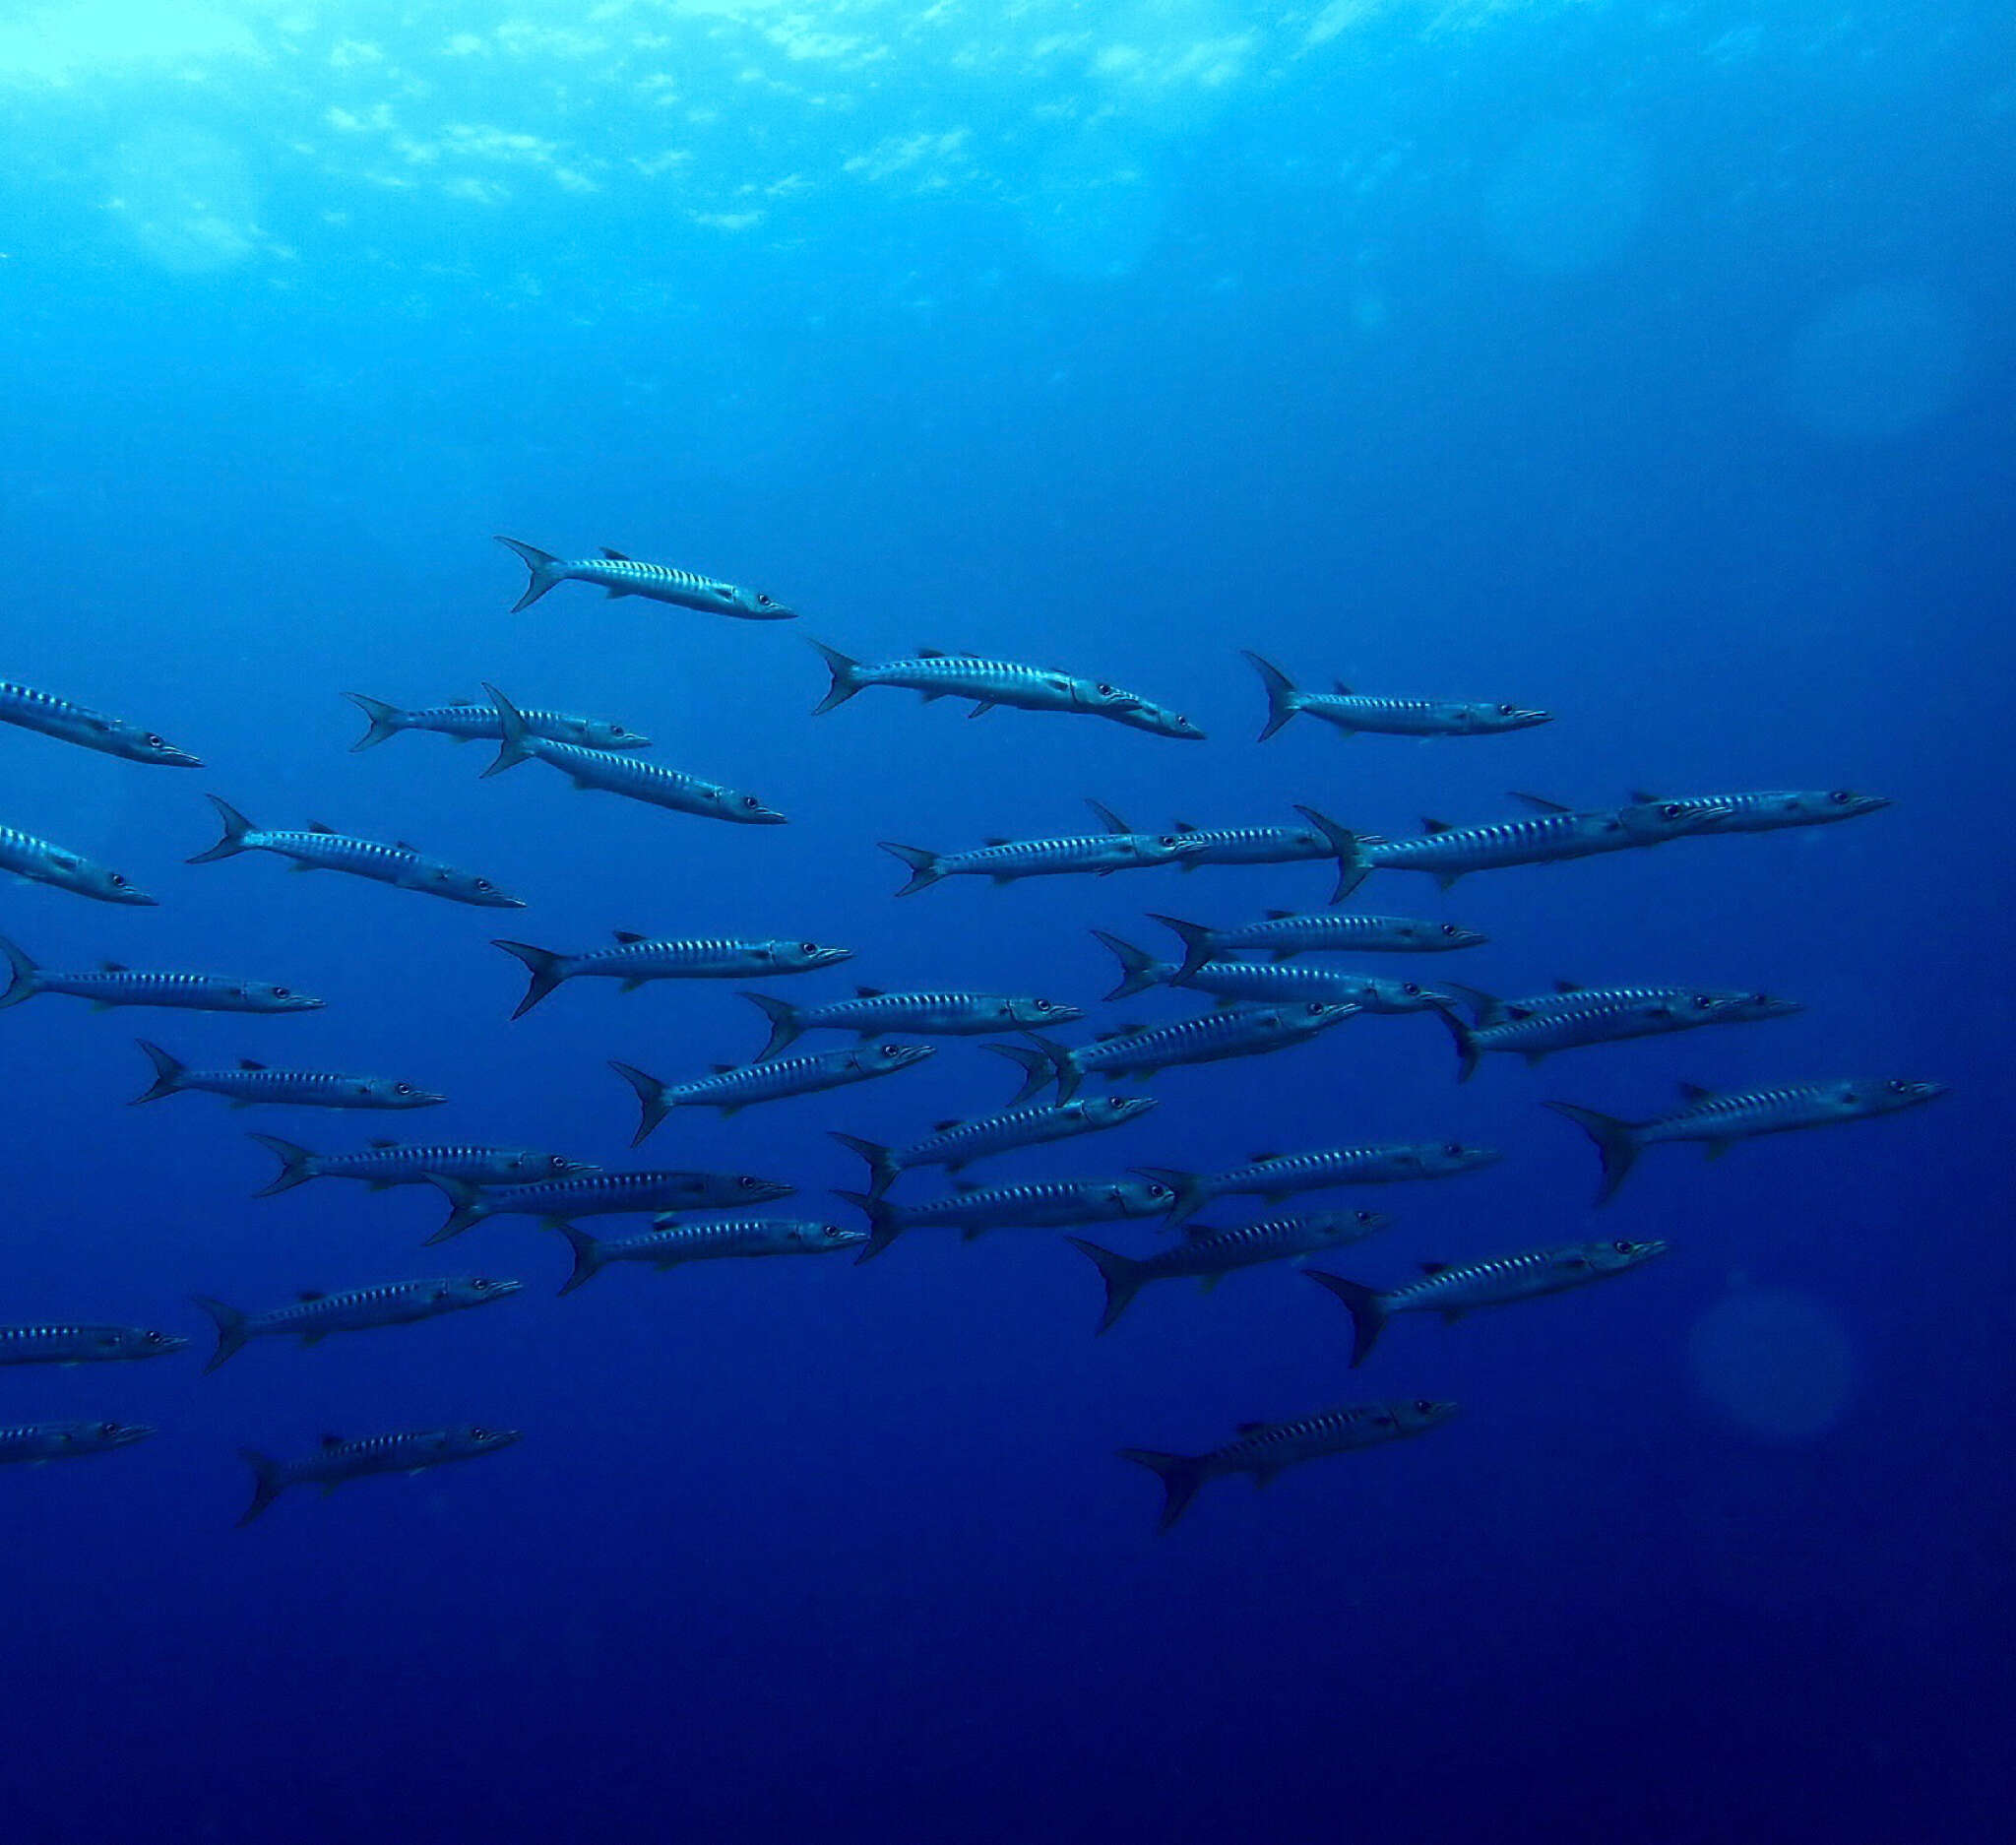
pixel 1647 365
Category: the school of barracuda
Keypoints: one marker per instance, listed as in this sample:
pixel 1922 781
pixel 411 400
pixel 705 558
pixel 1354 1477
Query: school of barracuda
pixel 1266 999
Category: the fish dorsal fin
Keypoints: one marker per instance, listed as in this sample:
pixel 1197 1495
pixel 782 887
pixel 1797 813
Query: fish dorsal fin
pixel 250 1064
pixel 999 839
pixel 312 1294
pixel 1540 803
pixel 1517 1012
pixel 1186 826
pixel 1568 987
pixel 113 967
pixel 1640 798
pixel 1197 1232
pixel 1275 916
pixel 1693 1092
pixel 405 844
pixel 1107 818
pixel 968 1184
pixel 332 1441
pixel 1257 1158
pixel 615 557
pixel 868 992
pixel 628 936
pixel 1435 1268
pixel 722 1069
pixel 385 1143
pixel 930 652
pixel 1433 825
pixel 320 826
pixel 1252 1428
pixel 1339 688
pixel 945 1128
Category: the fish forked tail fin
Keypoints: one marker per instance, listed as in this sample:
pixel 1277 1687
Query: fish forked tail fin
pixel 651 1099
pixel 1282 700
pixel 1464 1039
pixel 1043 1061
pixel 923 865
pixel 230 1329
pixel 546 570
pixel 269 1478
pixel 1617 1144
pixel 296 1164
pixel 548 970
pixel 882 1166
pixel 1485 1009
pixel 784 1022
pixel 1121 1274
pixel 1192 1195
pixel 467 1205
pixel 1180 1476
pixel 589 1259
pixel 1139 970
pixel 883 1228
pixel 1345 847
pixel 1196 940
pixel 847 677
pixel 235 826
pixel 386 721
pixel 1366 1307
pixel 167 1073
pixel 513 748
pixel 21 982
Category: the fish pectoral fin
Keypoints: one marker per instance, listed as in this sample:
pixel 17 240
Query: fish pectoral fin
pixel 1262 1475
pixel 1451 1314
pixel 1207 1284
pixel 1714 1149
pixel 984 706
pixel 313 1338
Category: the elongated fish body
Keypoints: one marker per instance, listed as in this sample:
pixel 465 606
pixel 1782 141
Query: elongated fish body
pixel 670 1244
pixel 322 849
pixel 79 724
pixel 871 1012
pixel 1447 853
pixel 1208 1255
pixel 1768 810
pixel 1351 711
pixel 479 722
pixel 314 1316
pixel 34 1443
pixel 1286 933
pixel 1596 1015
pixel 1718 1121
pixel 987 682
pixel 1275 1177
pixel 83 1345
pixel 657 583
pixel 386 1163
pixel 1142 1050
pixel 41 863
pixel 1039 1204
pixel 411 1451
pixel 955 1145
pixel 1455 1289
pixel 1269 983
pixel 611 773
pixel 253 1083
pixel 1005 860
pixel 736 1086
pixel 636 959
pixel 604 1194
pixel 1264 1449
pixel 114 985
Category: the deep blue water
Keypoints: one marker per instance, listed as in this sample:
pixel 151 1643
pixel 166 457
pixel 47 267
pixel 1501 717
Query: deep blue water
pixel 1652 371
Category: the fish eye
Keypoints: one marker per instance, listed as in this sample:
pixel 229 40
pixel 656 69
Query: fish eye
pixel 1315 1009
pixel 154 1338
pixel 108 1430
pixel 483 883
pixel 1704 1002
pixel 1105 690
pixel 118 880
pixel 1671 810
pixel 1158 1191
pixel 1425 1407
pixel 280 992
pixel 156 742
pixel 557 1162
pixel 1169 839
pixel 1411 988
pixel 1449 928
pixel 1897 1086
pixel 402 1089
pixel 831 1232
pixel 1183 721
pixel 764 599
pixel 890 1050
pixel 749 1184
pixel 1506 711
pixel 751 800
pixel 1454 1149
pixel 1364 1219
pixel 477 1281
pixel 480 1434
pixel 1841 798
pixel 616 730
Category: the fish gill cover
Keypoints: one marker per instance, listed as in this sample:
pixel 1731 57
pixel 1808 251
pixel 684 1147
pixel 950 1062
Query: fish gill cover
pixel 907 425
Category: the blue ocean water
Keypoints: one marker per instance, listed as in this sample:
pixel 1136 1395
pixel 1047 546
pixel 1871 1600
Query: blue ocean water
pixel 1645 364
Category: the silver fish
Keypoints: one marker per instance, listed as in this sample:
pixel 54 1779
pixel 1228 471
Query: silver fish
pixel 602 1194
pixel 1006 860
pixel 658 582
pixel 1286 933
pixel 36 1442
pixel 639 958
pixel 1452 1290
pixel 314 1316
pixel 410 1451
pixel 253 1082
pixel 1320 838
pixel 872 1011
pixel 1555 832
pixel 1038 1204
pixel 736 1086
pixel 41 863
pixel 1766 810
pixel 1275 1177
pixel 79 724
pixel 670 1244
pixel 116 984
pixel 1352 713
pixel 479 723
pixel 1144 1049
pixel 388 1163
pixel 318 847
pixel 989 683
pixel 83 1345
pixel 1267 981
pixel 955 1144
pixel 1576 1016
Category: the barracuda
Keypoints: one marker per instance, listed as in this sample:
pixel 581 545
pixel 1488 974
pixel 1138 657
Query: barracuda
pixel 79 724
pixel 1577 1016
pixel 32 1444
pixel 657 583
pixel 1210 1256
pixel 321 848
pixel 872 1012
pixel 1719 1121
pixel 602 1194
pixel 736 1086
pixel 1267 981
pixel 1264 1449
pixel 1276 1176
pixel 1142 1050
pixel 1766 810
pixel 605 772
pixel 1006 860
pixel 1350 712
pixel 116 984
pixel 991 683
pixel 1447 853
pixel 1286 933
pixel 1320 838
pixel 639 958
pixel 388 1163
pixel 955 1145
pixel 473 722
pixel 670 1244
pixel 410 1451
pixel 314 1316
pixel 84 1344
pixel 253 1083
pixel 1453 1290
pixel 1039 1204
pixel 42 863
